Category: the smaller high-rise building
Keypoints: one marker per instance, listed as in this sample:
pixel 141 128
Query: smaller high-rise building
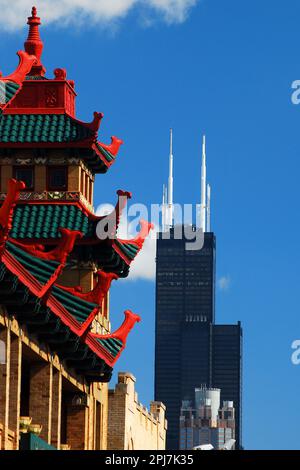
pixel 205 422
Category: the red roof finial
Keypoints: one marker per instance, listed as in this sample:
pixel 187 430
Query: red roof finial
pixel 34 45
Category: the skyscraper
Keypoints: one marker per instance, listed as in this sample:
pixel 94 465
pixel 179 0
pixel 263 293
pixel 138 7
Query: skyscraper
pixel 190 350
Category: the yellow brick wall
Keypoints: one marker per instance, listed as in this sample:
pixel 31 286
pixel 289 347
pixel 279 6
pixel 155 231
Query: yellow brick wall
pixel 130 425
pixel 48 376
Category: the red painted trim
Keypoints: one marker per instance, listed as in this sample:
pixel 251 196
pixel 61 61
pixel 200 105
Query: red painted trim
pixel 86 144
pixel 96 347
pixel 114 147
pixel 25 63
pixel 23 275
pixel 40 290
pixel 122 333
pixel 121 254
pixel 98 294
pixel 102 158
pixel 60 253
pixel 18 110
pixel 7 210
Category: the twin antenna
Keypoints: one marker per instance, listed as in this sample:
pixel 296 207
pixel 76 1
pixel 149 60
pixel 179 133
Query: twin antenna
pixel 167 203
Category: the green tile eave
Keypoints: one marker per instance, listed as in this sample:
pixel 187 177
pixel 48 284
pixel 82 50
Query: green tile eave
pixel 44 220
pixel 41 128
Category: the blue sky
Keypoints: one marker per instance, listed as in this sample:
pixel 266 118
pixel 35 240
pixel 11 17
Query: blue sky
pixel 224 68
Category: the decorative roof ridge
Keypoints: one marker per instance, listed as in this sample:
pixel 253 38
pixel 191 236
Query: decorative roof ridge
pixel 100 290
pixel 35 286
pixel 93 126
pixel 96 295
pixel 25 63
pixel 121 333
pixel 141 236
pixel 113 147
pixel 60 253
pixel 129 249
pixel 12 84
pixel 7 209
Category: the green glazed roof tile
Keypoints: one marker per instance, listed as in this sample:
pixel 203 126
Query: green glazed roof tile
pixel 130 250
pixel 44 220
pixel 79 308
pixel 7 91
pixel 35 128
pixel 112 345
pixel 40 269
pixel 109 157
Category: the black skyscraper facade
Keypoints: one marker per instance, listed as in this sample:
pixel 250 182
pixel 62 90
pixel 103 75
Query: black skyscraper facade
pixel 190 350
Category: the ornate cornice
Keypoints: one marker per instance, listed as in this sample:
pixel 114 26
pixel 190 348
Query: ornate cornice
pixel 73 196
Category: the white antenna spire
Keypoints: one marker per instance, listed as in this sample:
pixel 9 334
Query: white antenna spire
pixel 203 187
pixel 164 200
pixel 170 207
pixel 208 206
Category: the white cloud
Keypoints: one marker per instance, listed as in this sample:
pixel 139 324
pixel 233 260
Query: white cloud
pixel 13 14
pixel 104 209
pixel 224 283
pixel 174 11
pixel 144 266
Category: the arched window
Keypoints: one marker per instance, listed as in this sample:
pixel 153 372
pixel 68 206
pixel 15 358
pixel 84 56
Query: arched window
pixel 2 353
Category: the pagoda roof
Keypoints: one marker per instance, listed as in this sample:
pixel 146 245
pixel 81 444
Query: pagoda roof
pixel 34 223
pixel 39 112
pixel 11 85
pixel 56 131
pixel 42 128
pixel 29 288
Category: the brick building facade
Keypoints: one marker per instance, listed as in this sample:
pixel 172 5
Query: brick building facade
pixel 130 425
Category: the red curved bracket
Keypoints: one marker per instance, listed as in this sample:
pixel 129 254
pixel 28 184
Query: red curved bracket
pixel 114 147
pixel 98 294
pixel 143 234
pixel 26 62
pixel 60 253
pixel 95 124
pixel 7 209
pixel 121 333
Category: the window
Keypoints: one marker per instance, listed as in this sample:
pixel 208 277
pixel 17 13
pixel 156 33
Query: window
pixel 25 174
pixel 57 178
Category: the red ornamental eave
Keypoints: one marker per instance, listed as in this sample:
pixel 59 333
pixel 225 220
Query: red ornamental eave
pixel 48 290
pixel 138 241
pixel 18 76
pixel 123 197
pixel 25 64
